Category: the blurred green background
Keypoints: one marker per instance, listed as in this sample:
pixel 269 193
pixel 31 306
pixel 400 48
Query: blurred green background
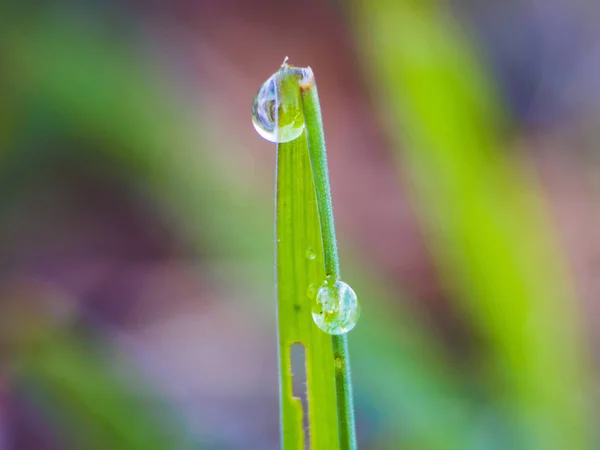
pixel 137 303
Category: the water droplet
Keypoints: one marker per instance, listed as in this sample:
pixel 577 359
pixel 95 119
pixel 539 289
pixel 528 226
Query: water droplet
pixel 335 309
pixel 311 292
pixel 310 254
pixel 277 110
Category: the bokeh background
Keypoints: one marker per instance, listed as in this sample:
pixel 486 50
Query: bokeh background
pixel 137 303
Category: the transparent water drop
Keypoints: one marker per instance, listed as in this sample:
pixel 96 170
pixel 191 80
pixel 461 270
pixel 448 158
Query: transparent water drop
pixel 335 308
pixel 311 291
pixel 277 111
pixel 311 255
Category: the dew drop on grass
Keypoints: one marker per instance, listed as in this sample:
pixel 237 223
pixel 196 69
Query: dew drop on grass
pixel 277 111
pixel 310 254
pixel 335 308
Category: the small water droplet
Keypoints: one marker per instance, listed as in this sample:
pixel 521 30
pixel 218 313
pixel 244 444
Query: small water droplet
pixel 311 292
pixel 310 254
pixel 277 111
pixel 335 309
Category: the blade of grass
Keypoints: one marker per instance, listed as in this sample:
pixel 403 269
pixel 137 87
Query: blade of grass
pixel 297 230
pixel 318 158
pixel 304 223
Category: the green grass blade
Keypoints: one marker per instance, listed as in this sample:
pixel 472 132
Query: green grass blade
pixel 306 254
pixel 320 172
pixel 297 231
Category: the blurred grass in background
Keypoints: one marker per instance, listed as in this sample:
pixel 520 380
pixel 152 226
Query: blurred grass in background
pixel 137 306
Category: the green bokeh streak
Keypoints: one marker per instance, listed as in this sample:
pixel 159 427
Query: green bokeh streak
pixel 102 407
pixel 297 230
pixel 488 228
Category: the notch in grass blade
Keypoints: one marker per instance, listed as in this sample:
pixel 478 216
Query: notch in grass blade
pixel 307 266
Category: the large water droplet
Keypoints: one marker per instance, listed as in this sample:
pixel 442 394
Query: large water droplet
pixel 277 111
pixel 335 309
